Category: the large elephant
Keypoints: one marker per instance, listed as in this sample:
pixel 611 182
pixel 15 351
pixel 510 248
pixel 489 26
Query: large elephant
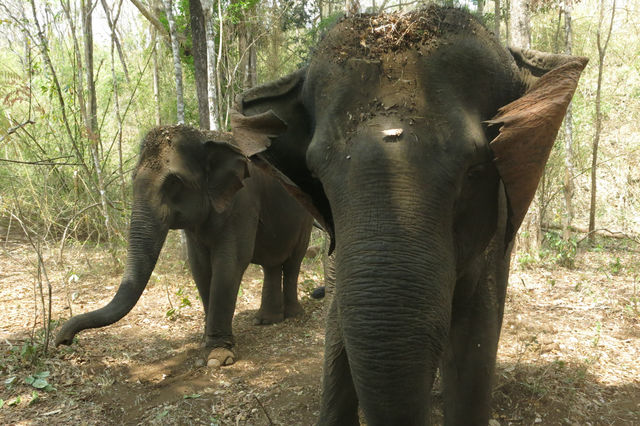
pixel 233 214
pixel 417 141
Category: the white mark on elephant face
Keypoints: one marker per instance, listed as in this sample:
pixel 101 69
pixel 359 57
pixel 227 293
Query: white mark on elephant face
pixel 392 135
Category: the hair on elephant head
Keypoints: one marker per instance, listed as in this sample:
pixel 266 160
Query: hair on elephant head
pixel 201 182
pixel 418 141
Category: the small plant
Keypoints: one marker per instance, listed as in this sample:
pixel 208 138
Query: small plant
pixel 596 338
pixel 39 381
pixel 172 312
pixel 616 266
pixel 562 252
pixel 526 260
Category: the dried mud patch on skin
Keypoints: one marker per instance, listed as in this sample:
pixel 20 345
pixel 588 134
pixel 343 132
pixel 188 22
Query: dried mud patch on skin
pixel 367 36
pixel 568 354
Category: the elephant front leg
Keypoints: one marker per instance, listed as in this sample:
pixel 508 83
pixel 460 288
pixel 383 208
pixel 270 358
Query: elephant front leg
pixel 200 264
pixel 291 271
pixel 225 282
pixel 468 362
pixel 339 400
pixel 271 306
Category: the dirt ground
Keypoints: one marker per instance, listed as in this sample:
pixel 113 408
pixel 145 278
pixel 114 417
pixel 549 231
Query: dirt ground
pixel 569 354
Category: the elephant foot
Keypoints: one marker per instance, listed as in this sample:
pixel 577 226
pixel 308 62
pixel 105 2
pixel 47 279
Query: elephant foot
pixel 220 356
pixel 293 310
pixel 266 318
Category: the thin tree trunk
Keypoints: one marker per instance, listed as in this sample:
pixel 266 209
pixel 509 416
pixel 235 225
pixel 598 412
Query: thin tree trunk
pixel 199 53
pixel 568 137
pixel 520 23
pixel 177 64
pixel 111 21
pixel 218 60
pixel 78 57
pixel 156 75
pixel 211 64
pixel 602 50
pixel 152 19
pixel 496 22
pixel 481 7
pixel 86 8
pixel 116 101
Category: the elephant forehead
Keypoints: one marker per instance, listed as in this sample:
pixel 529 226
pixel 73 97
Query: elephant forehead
pixel 166 144
pixel 368 36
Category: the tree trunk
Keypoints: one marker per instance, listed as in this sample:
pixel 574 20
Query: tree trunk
pixel 177 64
pixel 481 7
pixel 212 88
pixel 199 52
pixel 568 138
pixel 92 109
pixel 519 23
pixel 156 75
pixel 116 101
pixel 496 22
pixel 602 50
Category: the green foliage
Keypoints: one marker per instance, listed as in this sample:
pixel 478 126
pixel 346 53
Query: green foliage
pixel 560 251
pixel 39 381
pixel 184 301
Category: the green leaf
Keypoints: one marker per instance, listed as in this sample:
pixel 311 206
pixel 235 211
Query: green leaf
pixel 10 380
pixel 42 375
pixel 29 380
pixel 14 401
pixel 192 396
pixel 1 403
pixel 34 397
pixel 40 384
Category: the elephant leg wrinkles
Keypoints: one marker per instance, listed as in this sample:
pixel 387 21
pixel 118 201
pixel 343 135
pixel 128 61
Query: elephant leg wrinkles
pixel 271 307
pixel 339 399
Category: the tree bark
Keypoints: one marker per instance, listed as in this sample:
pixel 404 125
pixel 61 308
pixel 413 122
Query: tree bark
pixel 496 22
pixel 156 76
pixel 212 86
pixel 116 101
pixel 568 137
pixel 152 19
pixel 177 64
pixel 86 7
pixel 520 23
pixel 602 50
pixel 199 52
pixel 111 21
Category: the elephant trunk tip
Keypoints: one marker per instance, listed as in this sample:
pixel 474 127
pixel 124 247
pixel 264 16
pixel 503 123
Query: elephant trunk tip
pixel 66 334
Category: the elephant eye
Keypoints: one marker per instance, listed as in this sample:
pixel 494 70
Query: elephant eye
pixel 477 170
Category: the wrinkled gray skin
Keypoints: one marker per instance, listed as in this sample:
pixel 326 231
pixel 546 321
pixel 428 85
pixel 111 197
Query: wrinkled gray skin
pixel 393 155
pixel 233 214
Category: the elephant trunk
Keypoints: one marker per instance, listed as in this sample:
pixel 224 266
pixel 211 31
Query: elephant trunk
pixel 146 237
pixel 395 280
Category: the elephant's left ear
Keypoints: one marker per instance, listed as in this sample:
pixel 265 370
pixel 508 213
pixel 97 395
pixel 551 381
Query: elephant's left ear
pixel 226 169
pixel 529 125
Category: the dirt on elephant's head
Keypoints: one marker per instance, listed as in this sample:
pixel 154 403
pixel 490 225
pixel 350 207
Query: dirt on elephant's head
pixel 367 36
pixel 159 139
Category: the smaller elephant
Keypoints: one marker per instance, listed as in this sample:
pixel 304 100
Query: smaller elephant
pixel 233 214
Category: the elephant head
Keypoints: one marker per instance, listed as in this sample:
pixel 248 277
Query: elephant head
pixel 418 142
pixel 182 177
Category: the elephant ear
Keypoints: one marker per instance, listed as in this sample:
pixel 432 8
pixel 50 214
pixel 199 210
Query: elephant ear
pixel 529 125
pixel 271 126
pixel 226 169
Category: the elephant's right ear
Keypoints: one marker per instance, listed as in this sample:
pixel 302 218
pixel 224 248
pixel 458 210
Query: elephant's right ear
pixel 226 168
pixel 272 127
pixel 528 126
